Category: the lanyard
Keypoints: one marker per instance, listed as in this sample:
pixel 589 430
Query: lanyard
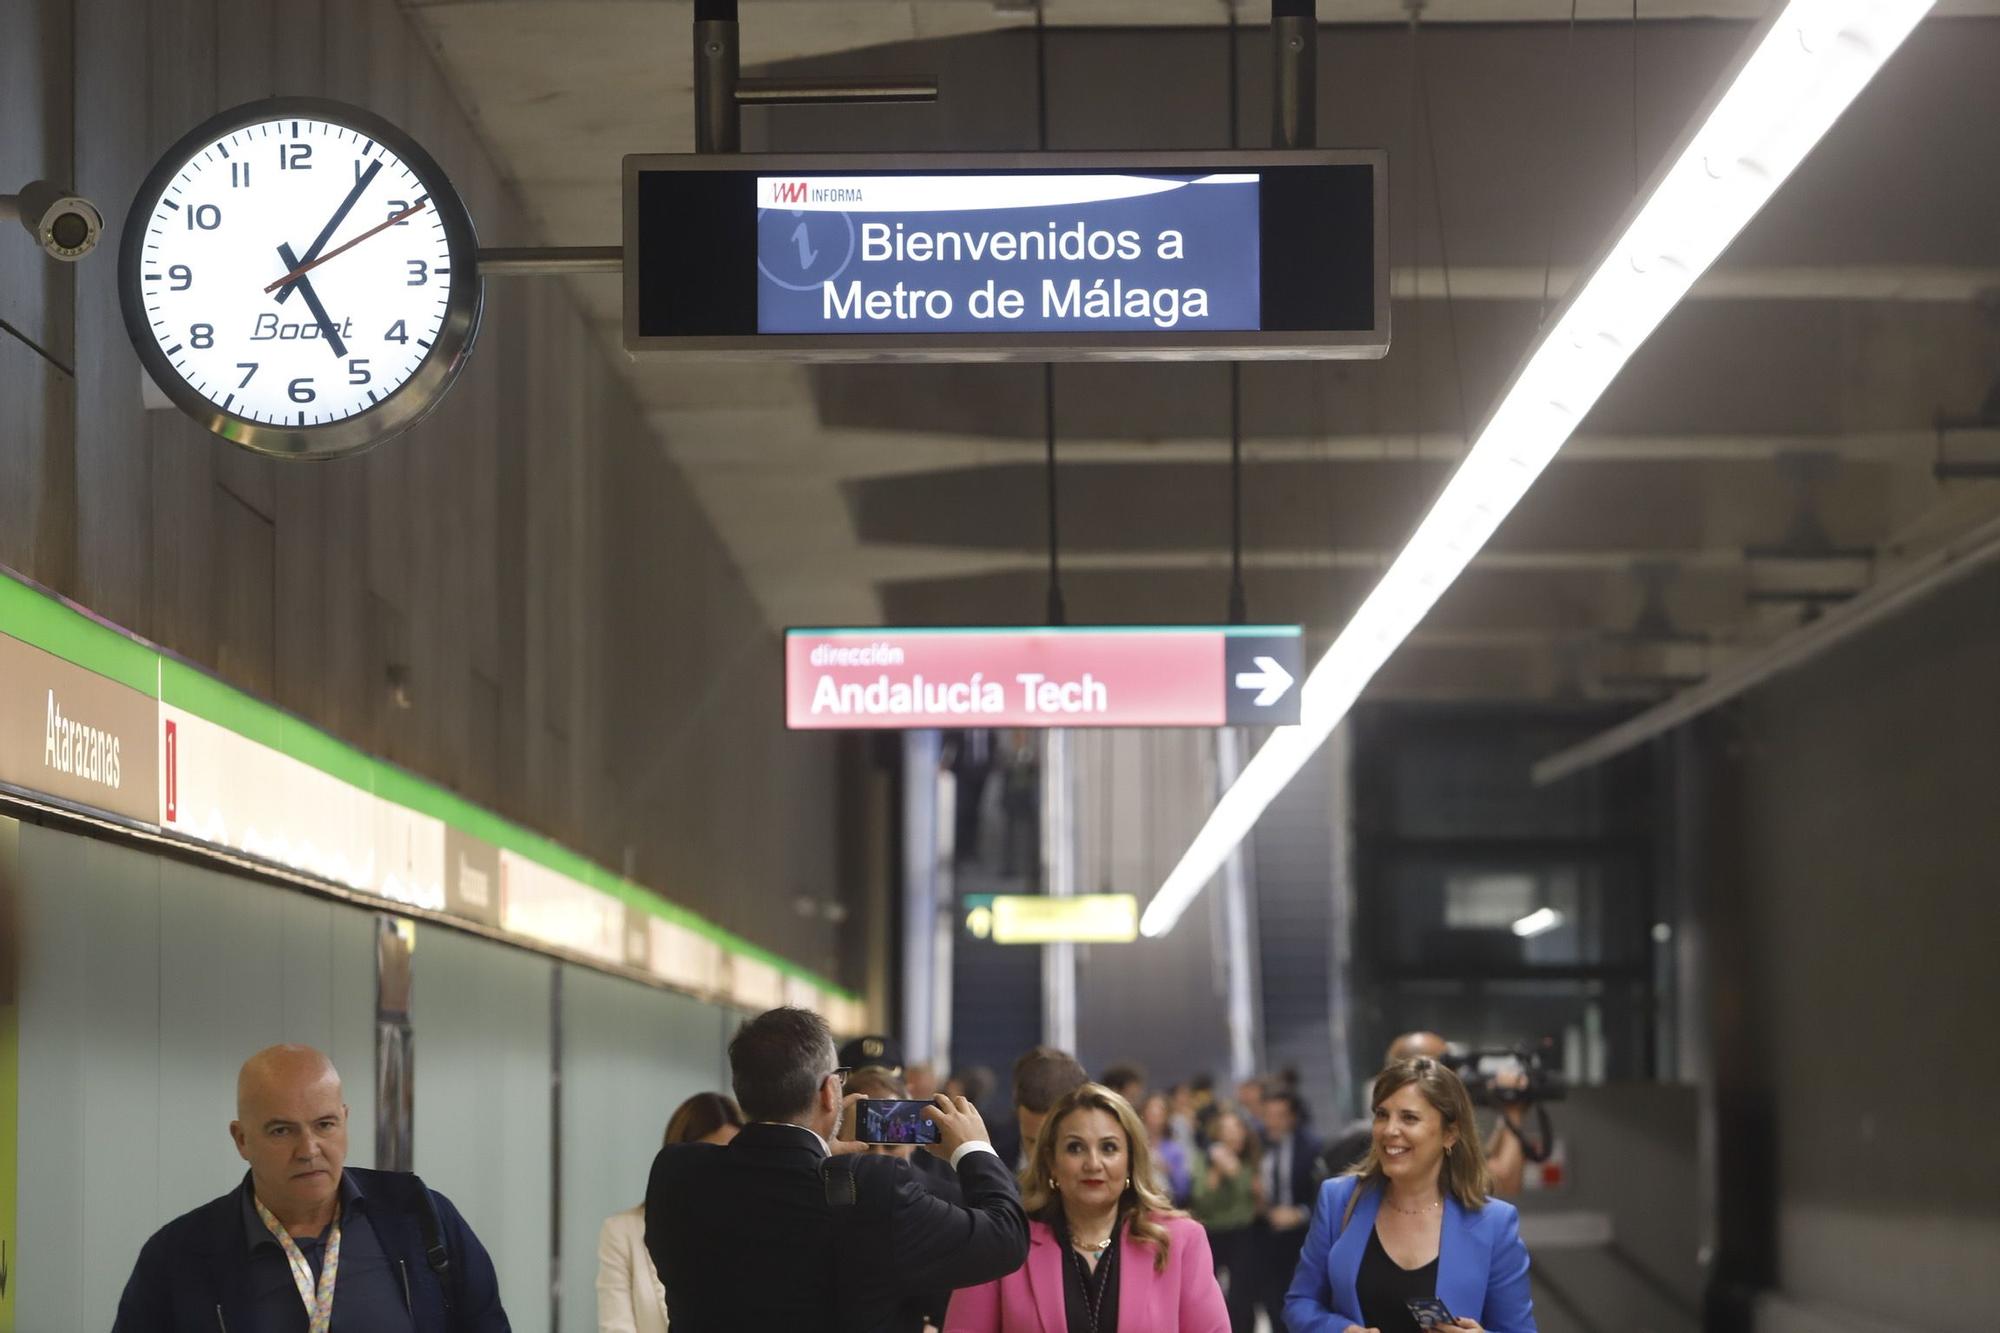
pixel 319 1305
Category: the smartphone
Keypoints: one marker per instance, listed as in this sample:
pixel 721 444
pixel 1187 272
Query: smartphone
pixel 893 1122
pixel 1429 1313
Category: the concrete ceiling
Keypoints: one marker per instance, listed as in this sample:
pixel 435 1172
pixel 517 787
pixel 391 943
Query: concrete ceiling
pixel 1793 403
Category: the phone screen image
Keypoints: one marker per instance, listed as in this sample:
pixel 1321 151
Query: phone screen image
pixel 893 1122
pixel 1429 1313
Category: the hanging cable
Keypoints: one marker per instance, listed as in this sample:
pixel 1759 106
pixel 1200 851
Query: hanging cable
pixel 1437 207
pixel 1635 99
pixel 1569 75
pixel 1057 613
pixel 1041 79
pixel 1416 260
pixel 1239 599
pixel 1239 602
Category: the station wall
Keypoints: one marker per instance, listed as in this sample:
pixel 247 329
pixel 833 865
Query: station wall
pixel 1849 885
pixel 145 982
pixel 521 598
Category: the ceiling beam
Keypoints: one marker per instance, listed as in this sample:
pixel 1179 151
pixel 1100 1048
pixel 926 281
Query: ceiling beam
pixel 1891 595
pixel 719 442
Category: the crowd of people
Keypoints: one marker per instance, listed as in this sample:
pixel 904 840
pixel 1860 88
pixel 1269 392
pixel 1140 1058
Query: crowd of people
pixel 1099 1205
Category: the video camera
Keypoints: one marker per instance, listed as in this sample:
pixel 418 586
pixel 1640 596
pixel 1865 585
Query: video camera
pixel 1479 1070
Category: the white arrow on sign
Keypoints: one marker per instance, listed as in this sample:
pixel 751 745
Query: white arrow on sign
pixel 1272 679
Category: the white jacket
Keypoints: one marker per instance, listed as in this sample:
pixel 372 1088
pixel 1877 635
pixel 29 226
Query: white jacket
pixel 630 1298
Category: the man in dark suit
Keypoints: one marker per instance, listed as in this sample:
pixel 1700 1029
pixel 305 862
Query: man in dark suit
pixel 782 1230
pixel 1290 1183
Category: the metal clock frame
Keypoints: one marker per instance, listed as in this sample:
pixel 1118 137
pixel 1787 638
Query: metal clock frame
pixel 416 396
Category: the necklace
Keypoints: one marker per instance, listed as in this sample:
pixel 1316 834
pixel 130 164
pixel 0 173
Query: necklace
pixel 1095 1280
pixel 1415 1212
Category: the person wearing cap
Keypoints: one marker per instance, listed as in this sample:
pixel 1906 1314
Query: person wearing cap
pixel 876 1065
pixel 875 1051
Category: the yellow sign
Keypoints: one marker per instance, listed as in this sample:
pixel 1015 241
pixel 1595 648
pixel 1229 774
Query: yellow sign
pixel 1094 918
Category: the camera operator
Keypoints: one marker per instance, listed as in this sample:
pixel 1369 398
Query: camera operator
pixel 1505 1144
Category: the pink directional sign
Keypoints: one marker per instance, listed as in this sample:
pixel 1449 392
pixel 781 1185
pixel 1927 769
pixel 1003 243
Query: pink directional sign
pixel 1183 676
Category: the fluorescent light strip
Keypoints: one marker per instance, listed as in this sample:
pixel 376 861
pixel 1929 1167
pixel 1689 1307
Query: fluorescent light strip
pixel 1800 71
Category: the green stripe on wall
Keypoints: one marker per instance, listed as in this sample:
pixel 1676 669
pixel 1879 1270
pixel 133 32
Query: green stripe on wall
pixel 38 618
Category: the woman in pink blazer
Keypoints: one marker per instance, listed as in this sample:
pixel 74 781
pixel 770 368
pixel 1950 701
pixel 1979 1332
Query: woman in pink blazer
pixel 1106 1250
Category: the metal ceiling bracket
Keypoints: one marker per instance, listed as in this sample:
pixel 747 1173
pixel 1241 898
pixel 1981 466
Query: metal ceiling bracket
pixel 721 92
pixel 824 92
pixel 1295 73
pixel 534 261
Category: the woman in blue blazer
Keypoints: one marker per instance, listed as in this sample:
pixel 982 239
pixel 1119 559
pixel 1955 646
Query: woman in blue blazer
pixel 1411 1228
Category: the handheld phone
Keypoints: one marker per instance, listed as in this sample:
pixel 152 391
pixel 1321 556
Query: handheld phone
pixel 896 1122
pixel 1429 1313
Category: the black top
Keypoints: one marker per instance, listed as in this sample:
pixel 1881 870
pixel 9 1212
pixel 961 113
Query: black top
pixel 1383 1287
pixel 367 1293
pixel 1090 1296
pixel 752 1237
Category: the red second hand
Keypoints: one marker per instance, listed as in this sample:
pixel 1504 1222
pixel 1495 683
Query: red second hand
pixel 294 275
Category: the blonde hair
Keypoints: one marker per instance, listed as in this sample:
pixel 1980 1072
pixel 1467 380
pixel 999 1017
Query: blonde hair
pixel 1141 1204
pixel 1462 1174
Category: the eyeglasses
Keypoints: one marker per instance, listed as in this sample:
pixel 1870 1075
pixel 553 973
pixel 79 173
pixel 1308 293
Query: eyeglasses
pixel 841 1072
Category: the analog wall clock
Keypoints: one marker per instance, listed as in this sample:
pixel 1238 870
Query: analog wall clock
pixel 299 276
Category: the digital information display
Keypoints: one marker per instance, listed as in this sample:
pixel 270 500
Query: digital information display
pixel 1039 256
pixel 983 254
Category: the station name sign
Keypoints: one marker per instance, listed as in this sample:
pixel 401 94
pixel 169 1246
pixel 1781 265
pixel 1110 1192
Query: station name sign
pixel 1179 676
pixel 1124 256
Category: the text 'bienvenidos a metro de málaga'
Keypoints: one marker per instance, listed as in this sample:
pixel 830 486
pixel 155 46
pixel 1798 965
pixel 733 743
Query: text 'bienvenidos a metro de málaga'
pixel 1077 298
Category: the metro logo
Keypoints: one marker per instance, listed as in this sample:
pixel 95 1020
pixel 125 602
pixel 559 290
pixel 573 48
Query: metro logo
pixel 788 192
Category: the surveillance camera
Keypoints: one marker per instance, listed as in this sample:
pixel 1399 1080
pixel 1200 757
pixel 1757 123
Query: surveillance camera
pixel 65 226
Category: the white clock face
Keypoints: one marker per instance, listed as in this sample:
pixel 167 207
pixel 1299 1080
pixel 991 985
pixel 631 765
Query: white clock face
pixel 253 208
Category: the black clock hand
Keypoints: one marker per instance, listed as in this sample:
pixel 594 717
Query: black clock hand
pixel 339 215
pixel 312 303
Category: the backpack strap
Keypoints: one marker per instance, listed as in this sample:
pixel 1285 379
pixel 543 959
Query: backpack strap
pixel 836 1174
pixel 436 1255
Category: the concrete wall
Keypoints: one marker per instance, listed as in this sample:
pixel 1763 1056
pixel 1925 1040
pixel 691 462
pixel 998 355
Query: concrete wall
pixel 1849 892
pixel 145 982
pixel 579 651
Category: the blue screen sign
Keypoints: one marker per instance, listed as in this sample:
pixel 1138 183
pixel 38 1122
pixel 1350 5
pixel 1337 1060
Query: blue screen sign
pixel 1070 252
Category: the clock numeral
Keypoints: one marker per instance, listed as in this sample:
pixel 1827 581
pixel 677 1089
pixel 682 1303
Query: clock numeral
pixel 397 206
pixel 295 157
pixel 205 216
pixel 397 333
pixel 250 369
pixel 420 273
pixel 183 277
pixel 239 175
pixel 201 336
pixel 301 390
pixel 357 370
